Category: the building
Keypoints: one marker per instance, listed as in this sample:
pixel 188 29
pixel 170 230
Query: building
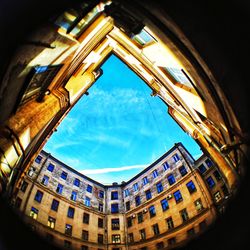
pixel 167 204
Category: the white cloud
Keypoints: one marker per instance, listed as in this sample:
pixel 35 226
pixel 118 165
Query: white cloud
pixel 111 170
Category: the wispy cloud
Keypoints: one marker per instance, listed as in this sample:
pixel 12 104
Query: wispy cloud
pixel 111 170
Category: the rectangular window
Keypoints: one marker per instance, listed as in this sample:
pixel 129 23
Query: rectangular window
pixel 73 196
pixel 101 194
pixel 51 222
pixel 176 157
pixel 210 182
pixel 182 170
pixel 135 187
pixel 160 245
pixel 85 235
pixel 67 244
pixel 137 200
pixel 59 188
pixel 164 205
pixel 71 212
pixel 217 196
pixel 165 166
pixel 159 187
pixel 202 225
pixel 129 222
pixel 225 190
pixel 152 211
pixel 184 215
pixel 145 180
pixel 155 173
pixel 116 238
pixel 202 168
pixel 100 207
pixel 115 224
pixel 170 222
pixel 100 222
pixel 171 241
pixel 114 195
pixel 64 175
pixel 209 162
pixel 143 38
pixel 100 238
pixel 34 213
pixel 54 205
pixel 87 202
pixel 217 175
pixel 18 202
pixel 24 186
pixel 130 237
pixel 171 179
pixel 178 196
pixel 45 180
pixel 89 189
pixel 140 217
pixel 127 204
pixel 31 171
pixel 68 229
pixel 148 194
pixel 126 192
pixel 85 218
pixel 156 229
pixel 190 232
pixel 83 247
pixel 143 234
pixel 198 205
pixel 114 208
pixel 76 182
pixel 51 167
pixel 191 187
pixel 38 159
pixel 38 196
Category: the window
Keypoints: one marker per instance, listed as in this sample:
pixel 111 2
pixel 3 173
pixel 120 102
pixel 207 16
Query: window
pixel 45 180
pixel 155 173
pixel 31 171
pixel 178 196
pixel 210 182
pixel 140 217
pixel 87 202
pixel 114 208
pixel 38 196
pixel 198 205
pixel 225 190
pixel 148 194
pixel 59 188
pixel 100 222
pixel 184 215
pixel 202 225
pixel 135 187
pixel 171 241
pixel 54 205
pixel 89 188
pixel 143 234
pixel 171 179
pixel 126 192
pixel 127 204
pixel 159 187
pixel 130 237
pixel 49 237
pixel 217 175
pixel 71 212
pixel 191 187
pixel 83 247
pixel 67 244
pixel 38 159
pixel 183 170
pixel 145 180
pixel 170 222
pixel 64 175
pixel 217 196
pixel 76 182
pixel 164 204
pixel 51 222
pixel 101 194
pixel 24 186
pixel 190 232
pixel 100 207
pixel 209 162
pixel 202 168
pixel 165 166
pixel 51 167
pixel 137 200
pixel 34 213
pixel 114 195
pixel 116 238
pixel 144 248
pixel 143 38
pixel 160 245
pixel 18 202
pixel 129 222
pixel 115 224
pixel 85 235
pixel 156 229
pixel 68 229
pixel 100 238
pixel 73 196
pixel 85 218
pixel 176 157
pixel 152 212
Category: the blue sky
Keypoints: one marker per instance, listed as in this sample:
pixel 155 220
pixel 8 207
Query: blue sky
pixel 118 129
